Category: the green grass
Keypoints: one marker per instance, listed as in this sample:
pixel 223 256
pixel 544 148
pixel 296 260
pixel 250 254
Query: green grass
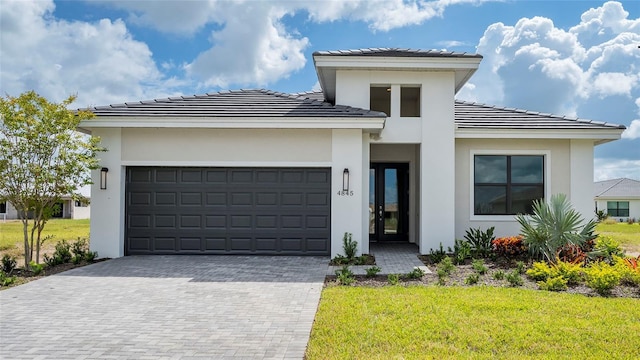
pixel 11 235
pixel 472 323
pixel 628 235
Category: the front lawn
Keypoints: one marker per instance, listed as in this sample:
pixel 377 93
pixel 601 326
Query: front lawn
pixel 11 237
pixel 628 235
pixel 435 322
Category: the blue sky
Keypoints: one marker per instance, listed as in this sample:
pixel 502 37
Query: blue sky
pixel 575 58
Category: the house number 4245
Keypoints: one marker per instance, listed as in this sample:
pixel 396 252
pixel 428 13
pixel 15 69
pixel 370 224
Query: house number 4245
pixel 345 193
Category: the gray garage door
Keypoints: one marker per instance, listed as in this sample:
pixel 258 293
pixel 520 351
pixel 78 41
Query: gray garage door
pixel 176 210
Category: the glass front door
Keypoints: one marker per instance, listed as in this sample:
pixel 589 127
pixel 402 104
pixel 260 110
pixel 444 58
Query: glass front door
pixel 388 202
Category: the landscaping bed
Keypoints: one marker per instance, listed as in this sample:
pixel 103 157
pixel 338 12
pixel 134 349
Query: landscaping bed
pixel 459 275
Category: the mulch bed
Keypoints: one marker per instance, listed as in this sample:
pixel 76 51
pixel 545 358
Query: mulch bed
pixel 461 272
pixel 24 276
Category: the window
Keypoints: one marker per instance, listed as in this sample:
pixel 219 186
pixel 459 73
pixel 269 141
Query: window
pixel 507 184
pixel 380 98
pixel 409 101
pixel 3 207
pixel 618 208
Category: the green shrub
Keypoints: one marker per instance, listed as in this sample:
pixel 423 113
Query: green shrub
pixel 480 241
pixel 606 248
pixel 602 277
pixel 90 256
pixel 416 273
pixel 498 275
pixel 514 278
pixel 446 265
pixel 442 276
pixel 345 276
pixel 36 268
pixel 437 255
pixel 472 279
pixel 9 263
pixel 541 271
pixel 349 246
pixel 461 251
pixel 80 247
pixel 479 266
pixel 393 279
pixel 5 279
pixel 521 267
pixel 372 271
pixel 553 284
pixel 572 273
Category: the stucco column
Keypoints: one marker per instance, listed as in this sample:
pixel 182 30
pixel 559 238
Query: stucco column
pixel 437 163
pixel 346 206
pixel 107 207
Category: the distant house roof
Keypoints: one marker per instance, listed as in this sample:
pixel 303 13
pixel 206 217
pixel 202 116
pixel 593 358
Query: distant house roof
pixel 617 188
pixel 397 52
pixel 239 103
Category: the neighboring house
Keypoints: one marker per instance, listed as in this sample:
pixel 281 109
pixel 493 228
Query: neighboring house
pixel 619 198
pixel 383 152
pixel 69 209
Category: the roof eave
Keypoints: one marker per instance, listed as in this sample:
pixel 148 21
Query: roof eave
pixel 372 124
pixel 326 66
pixel 599 136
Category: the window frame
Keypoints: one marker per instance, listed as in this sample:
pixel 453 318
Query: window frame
pixel 546 176
pixel 618 208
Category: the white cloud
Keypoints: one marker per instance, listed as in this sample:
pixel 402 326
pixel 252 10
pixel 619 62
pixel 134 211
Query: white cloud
pixel 452 43
pixel 612 168
pixel 239 56
pixel 562 69
pixel 610 83
pixel 100 62
pixel 633 130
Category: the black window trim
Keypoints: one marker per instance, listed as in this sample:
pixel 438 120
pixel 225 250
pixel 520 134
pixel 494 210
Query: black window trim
pixel 508 183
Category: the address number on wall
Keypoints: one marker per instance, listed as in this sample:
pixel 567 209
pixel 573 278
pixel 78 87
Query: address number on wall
pixel 345 193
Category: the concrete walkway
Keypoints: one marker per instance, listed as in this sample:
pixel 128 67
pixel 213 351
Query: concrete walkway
pixel 166 307
pixel 391 258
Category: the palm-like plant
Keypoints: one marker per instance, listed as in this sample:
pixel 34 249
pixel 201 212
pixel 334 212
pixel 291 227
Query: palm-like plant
pixel 552 226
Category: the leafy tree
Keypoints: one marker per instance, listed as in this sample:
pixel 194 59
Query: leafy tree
pixel 42 159
pixel 552 226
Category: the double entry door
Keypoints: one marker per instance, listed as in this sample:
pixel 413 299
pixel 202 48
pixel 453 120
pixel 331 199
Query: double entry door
pixel 388 201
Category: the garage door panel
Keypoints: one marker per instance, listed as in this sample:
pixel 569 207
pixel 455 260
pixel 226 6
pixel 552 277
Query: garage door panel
pixel 227 211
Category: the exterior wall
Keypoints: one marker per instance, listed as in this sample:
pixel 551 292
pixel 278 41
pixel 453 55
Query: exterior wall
pixel 224 146
pixel 634 207
pixel 80 212
pixel 581 152
pixel 11 213
pixel 558 178
pixel 339 149
pixel 346 209
pixel 434 129
pixel 107 215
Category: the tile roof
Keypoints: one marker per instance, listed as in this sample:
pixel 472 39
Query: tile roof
pixel 470 115
pixel 265 103
pixel 617 188
pixel 240 103
pixel 397 52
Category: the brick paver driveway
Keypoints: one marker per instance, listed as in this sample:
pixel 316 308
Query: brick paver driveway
pixel 166 307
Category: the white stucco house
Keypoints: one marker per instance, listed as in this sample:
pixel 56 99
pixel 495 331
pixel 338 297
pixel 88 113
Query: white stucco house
pixel 619 198
pixel 68 209
pixel 383 152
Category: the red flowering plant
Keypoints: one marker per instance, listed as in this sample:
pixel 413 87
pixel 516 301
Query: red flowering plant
pixel 510 246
